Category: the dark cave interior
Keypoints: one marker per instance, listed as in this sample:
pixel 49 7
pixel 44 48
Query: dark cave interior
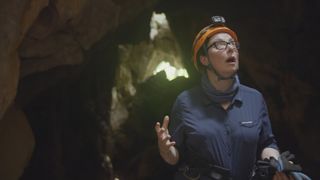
pixel 68 106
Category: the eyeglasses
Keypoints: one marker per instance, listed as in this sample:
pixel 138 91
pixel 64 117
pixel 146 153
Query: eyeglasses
pixel 222 45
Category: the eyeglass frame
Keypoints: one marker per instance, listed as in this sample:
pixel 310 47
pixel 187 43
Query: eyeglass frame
pixel 234 44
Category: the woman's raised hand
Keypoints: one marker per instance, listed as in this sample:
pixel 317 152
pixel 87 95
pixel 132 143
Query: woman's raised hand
pixel 164 141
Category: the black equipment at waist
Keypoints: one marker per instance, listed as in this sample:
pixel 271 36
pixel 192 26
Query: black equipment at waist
pixel 213 172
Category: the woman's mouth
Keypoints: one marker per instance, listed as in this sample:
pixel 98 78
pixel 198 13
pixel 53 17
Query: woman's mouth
pixel 231 60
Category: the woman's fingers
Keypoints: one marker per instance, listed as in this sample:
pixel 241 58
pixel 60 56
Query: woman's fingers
pixel 165 122
pixel 162 132
pixel 172 143
pixel 157 127
pixel 166 145
pixel 276 176
pixel 280 176
pixel 166 138
pixel 163 137
pixel 164 127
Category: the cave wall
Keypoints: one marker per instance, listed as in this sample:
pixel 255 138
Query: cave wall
pixel 57 69
pixel 58 63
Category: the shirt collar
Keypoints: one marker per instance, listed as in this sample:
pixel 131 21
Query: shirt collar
pixel 236 99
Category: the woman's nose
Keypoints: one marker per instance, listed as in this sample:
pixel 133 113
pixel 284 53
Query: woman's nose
pixel 231 48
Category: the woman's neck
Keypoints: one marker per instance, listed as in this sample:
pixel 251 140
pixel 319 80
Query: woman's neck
pixel 220 85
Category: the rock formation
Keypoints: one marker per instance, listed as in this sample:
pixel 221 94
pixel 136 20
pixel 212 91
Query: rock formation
pixel 60 61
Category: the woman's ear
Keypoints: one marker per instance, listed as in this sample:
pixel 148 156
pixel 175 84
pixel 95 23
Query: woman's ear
pixel 204 60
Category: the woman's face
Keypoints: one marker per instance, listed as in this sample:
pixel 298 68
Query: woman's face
pixel 222 54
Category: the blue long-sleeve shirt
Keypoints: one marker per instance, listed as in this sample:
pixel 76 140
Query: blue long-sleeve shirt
pixel 229 138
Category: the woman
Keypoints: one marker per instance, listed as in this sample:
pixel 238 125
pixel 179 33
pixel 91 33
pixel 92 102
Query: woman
pixel 217 129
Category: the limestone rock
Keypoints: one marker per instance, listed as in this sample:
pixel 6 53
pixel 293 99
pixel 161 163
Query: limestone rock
pixel 16 17
pixel 17 143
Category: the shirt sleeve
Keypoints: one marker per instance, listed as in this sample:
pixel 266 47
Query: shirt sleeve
pixel 267 138
pixel 176 127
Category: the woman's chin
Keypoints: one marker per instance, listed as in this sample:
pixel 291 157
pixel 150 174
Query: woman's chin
pixel 229 73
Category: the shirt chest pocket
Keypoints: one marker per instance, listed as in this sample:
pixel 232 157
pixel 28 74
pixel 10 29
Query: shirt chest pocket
pixel 249 131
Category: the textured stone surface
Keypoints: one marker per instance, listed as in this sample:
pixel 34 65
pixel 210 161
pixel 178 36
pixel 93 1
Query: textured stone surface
pixel 40 39
pixel 56 50
pixel 17 143
pixel 138 63
pixel 66 53
pixel 49 34
pixel 16 17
